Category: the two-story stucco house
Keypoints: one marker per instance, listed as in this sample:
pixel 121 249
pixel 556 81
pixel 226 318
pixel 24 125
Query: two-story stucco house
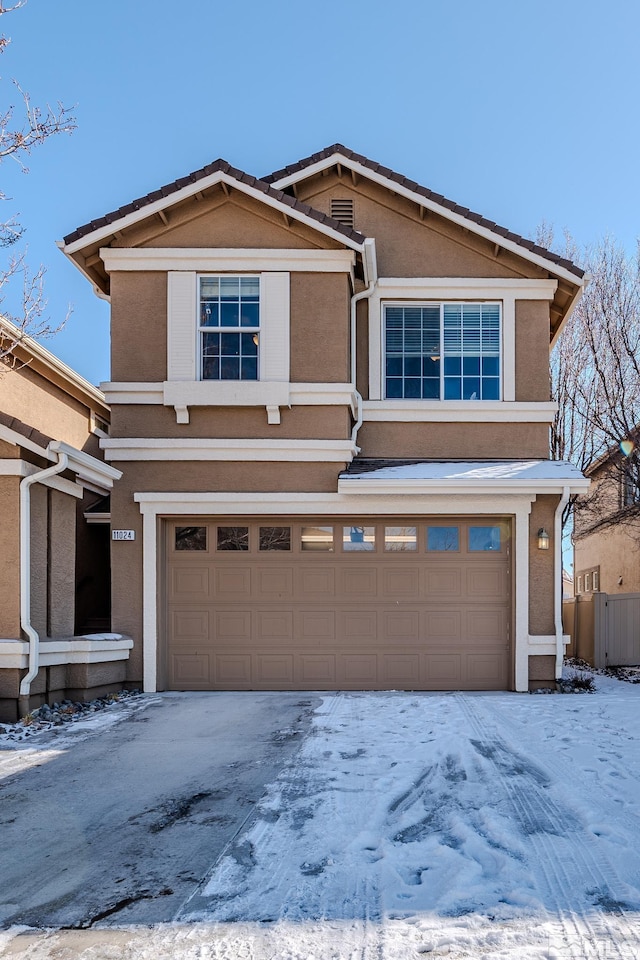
pixel 330 407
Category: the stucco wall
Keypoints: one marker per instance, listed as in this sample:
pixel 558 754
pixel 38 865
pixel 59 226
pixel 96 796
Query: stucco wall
pixel 237 221
pixel 319 339
pixel 473 441
pixel 299 422
pixel 62 552
pixel 29 397
pixel 9 558
pixel 320 331
pixel 39 557
pixel 541 568
pixel 139 326
pixel 53 530
pixel 407 246
pixel 532 350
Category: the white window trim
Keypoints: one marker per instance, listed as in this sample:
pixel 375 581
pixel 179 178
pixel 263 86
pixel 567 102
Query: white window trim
pixel 228 260
pixel 457 411
pixel 14 654
pixel 183 386
pixel 174 448
pixel 435 303
pixel 421 289
pixel 199 394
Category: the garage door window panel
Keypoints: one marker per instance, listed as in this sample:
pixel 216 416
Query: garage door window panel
pixel 485 538
pixel 400 539
pixel 275 538
pixel 443 540
pixel 357 538
pixel 317 539
pixel 233 538
pixel 191 538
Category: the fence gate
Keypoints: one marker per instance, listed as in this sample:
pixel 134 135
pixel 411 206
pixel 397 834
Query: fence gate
pixel 617 629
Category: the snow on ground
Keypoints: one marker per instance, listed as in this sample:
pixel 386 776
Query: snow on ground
pixel 486 826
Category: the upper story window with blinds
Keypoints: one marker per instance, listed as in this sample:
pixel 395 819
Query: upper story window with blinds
pixel 442 351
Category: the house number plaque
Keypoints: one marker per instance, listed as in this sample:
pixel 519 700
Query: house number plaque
pixel 123 534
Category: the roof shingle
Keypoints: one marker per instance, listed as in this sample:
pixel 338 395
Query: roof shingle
pixel 217 166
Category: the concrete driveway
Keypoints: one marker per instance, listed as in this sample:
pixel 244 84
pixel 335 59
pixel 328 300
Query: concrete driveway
pixel 381 826
pixel 123 822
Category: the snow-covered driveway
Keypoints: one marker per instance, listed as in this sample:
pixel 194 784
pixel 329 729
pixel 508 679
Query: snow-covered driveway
pixel 464 825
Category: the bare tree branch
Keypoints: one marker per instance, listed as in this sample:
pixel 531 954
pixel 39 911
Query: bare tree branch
pixel 595 377
pixel 20 131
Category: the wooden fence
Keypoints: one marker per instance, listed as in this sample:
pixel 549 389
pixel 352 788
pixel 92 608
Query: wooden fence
pixel 604 628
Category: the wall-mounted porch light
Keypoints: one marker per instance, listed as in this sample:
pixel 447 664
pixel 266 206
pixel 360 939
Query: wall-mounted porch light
pixel 543 539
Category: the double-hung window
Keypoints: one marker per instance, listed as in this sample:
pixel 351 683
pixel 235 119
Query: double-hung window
pixel 442 351
pixel 229 327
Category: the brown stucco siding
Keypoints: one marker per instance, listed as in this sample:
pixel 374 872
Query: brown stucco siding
pixel 320 304
pixel 53 553
pixel 29 397
pixel 362 348
pixel 299 422
pixel 442 441
pixel 235 222
pixel 206 476
pixel 9 558
pixel 542 672
pixel 319 327
pixel 541 567
pixel 39 557
pixel 409 247
pixel 532 350
pixel 62 564
pixel 139 326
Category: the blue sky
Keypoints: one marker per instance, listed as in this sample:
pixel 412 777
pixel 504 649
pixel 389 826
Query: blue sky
pixel 522 111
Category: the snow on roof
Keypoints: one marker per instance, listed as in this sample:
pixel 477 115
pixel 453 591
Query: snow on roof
pixel 472 476
pixel 473 470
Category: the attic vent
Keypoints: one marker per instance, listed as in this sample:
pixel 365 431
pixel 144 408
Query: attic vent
pixel 342 211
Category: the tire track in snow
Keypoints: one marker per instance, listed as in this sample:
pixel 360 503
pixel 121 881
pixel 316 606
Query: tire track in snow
pixel 295 890
pixel 610 803
pixel 566 869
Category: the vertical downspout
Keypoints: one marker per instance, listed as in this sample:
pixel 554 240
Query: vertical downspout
pixel 25 574
pixel 557 598
pixel 372 276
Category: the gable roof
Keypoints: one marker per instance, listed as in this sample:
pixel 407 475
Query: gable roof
pixel 337 152
pixel 184 187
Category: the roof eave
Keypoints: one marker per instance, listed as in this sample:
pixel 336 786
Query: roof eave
pixel 369 485
pixel 191 189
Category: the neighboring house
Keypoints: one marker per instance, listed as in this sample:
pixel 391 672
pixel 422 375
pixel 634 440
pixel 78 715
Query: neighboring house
pixel 607 527
pixel 54 568
pixel 330 406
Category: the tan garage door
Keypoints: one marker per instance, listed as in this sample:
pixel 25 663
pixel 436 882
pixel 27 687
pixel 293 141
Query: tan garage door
pixel 346 604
